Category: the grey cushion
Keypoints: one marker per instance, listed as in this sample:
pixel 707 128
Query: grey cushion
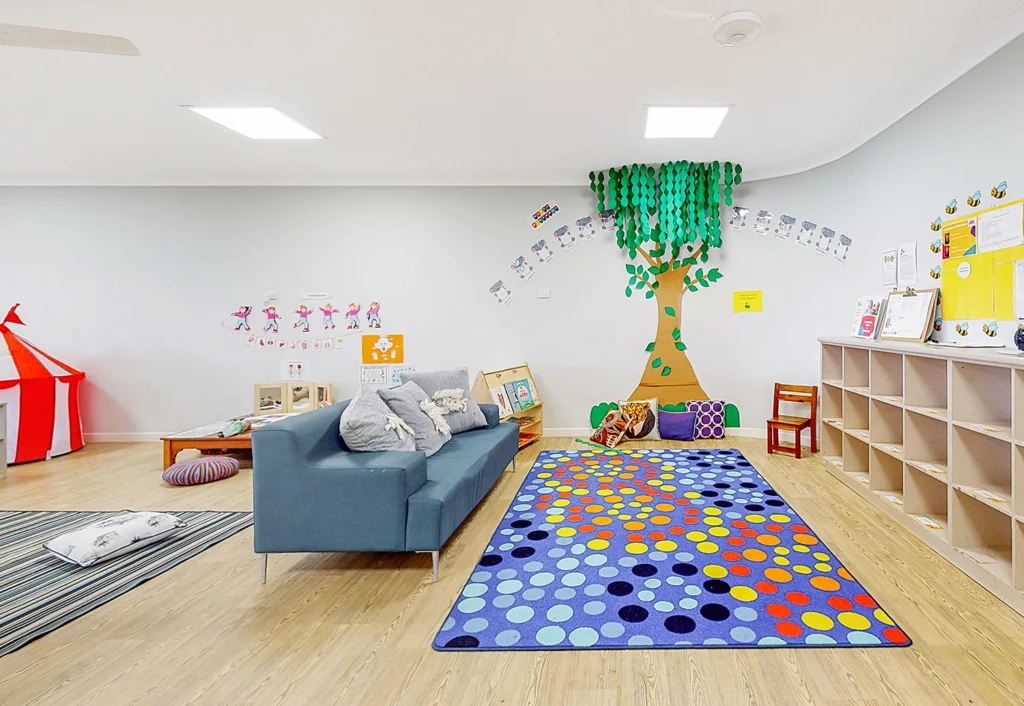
pixel 407 402
pixel 458 379
pixel 365 425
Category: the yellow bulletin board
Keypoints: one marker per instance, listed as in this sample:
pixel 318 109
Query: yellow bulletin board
pixel 978 254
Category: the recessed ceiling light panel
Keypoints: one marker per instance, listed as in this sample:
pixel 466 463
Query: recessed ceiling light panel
pixel 679 122
pixel 257 122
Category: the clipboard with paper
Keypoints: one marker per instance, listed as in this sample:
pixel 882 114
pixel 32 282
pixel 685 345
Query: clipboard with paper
pixel 910 315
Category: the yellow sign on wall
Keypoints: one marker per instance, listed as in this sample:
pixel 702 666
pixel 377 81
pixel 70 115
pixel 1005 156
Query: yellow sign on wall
pixel 743 302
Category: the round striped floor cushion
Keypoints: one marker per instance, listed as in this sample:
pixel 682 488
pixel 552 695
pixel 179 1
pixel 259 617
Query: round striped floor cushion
pixel 201 470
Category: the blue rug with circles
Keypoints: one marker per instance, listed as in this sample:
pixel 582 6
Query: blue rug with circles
pixel 656 549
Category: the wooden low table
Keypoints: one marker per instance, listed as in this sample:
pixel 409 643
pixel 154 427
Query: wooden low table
pixel 205 438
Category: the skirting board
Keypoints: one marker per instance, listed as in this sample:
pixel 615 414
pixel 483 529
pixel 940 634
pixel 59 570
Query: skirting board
pixel 104 437
pixel 732 431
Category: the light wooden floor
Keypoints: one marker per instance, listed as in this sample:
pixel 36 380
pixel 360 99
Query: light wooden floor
pixel 356 629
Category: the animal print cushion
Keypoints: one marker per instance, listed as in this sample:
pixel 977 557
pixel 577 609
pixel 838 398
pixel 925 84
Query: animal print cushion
pixel 645 418
pixel 113 536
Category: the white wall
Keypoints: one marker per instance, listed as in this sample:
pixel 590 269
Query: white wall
pixel 133 285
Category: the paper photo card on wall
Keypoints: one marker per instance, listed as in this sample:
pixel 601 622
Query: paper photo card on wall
pixel 522 268
pixel 738 219
pixel 543 252
pixel 824 240
pixel 805 236
pixel 843 249
pixel 502 293
pixel 566 240
pixel 608 220
pixel 763 224
pixel 585 226
pixel 784 227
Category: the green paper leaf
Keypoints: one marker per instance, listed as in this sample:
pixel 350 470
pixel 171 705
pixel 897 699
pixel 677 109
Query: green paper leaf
pixel 692 288
pixel 629 292
pixel 680 346
pixel 704 256
pixel 704 283
pixel 631 269
pixel 632 280
pixel 656 284
pixel 666 371
pixel 686 280
pixel 714 275
pixel 664 266
pixel 656 363
pixel 676 265
pixel 632 253
pixel 675 333
pixel 650 293
pixel 650 347
pixel 700 273
pixel 670 311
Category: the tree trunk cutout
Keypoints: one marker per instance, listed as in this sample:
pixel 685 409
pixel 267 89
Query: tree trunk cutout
pixel 681 384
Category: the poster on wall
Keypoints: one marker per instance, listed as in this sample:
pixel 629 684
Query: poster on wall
pixel 747 301
pixel 395 371
pixel 806 234
pixel 373 374
pixel 906 264
pixel 294 370
pixel 959 238
pixel 522 268
pixel 763 223
pixel 1001 228
pixel 543 214
pixel 889 268
pixel 381 348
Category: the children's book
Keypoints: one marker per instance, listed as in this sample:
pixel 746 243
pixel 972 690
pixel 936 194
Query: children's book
pixel 510 390
pixel 523 393
pixel 867 316
pixel 500 397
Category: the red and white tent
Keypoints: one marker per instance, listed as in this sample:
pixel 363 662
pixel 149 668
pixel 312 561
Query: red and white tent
pixel 41 393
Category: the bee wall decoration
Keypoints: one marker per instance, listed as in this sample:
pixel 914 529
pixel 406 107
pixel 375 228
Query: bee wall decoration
pixel 974 199
pixel 961 328
pixel 938 324
pixel 999 190
pixel 990 329
pixel 937 224
pixel 935 272
pixel 935 246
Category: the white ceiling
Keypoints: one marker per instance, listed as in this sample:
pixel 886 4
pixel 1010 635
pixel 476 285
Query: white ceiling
pixel 468 91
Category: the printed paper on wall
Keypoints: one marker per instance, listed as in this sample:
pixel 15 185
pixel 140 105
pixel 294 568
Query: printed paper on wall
pixel 381 348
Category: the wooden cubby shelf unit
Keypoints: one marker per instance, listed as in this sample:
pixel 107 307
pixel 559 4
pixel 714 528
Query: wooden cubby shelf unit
pixel 934 437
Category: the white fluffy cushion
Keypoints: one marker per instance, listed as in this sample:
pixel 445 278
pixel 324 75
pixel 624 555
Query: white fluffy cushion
pixel 113 537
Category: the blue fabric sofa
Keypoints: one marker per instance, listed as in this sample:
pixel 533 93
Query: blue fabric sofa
pixel 312 494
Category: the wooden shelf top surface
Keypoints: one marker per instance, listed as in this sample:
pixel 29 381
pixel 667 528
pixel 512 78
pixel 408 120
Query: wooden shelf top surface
pixel 985 356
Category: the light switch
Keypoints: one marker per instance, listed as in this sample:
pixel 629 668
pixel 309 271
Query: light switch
pixel 271 296
pixel 543 293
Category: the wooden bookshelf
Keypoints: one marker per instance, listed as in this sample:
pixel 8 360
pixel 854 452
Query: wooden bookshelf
pixel 530 419
pixel 935 438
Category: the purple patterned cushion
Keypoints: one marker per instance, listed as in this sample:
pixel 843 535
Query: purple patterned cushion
pixel 677 425
pixel 710 422
pixel 197 471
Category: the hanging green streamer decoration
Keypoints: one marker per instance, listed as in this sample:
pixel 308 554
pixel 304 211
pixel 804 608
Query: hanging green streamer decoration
pixel 668 208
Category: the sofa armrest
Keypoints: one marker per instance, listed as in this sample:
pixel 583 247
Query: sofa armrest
pixel 311 495
pixel 490 414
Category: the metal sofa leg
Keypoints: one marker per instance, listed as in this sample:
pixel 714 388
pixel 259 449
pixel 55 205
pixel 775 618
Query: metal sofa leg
pixel 513 464
pixel 263 568
pixel 435 558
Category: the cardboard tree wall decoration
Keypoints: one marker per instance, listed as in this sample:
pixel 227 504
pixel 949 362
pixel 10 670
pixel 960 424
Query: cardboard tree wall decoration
pixel 43 418
pixel 671 218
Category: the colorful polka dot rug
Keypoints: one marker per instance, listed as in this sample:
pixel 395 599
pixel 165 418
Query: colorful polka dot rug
pixel 658 549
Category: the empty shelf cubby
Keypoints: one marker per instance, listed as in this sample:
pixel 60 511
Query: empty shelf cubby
pixel 983 534
pixel 925 441
pixel 887 374
pixel 981 398
pixel 926 499
pixel 886 476
pixel 925 385
pixel 855 368
pixel 981 467
pixel 832 364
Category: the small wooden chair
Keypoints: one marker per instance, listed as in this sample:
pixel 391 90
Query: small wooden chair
pixel 805 394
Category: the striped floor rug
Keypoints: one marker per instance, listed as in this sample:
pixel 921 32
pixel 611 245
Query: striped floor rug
pixel 39 593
